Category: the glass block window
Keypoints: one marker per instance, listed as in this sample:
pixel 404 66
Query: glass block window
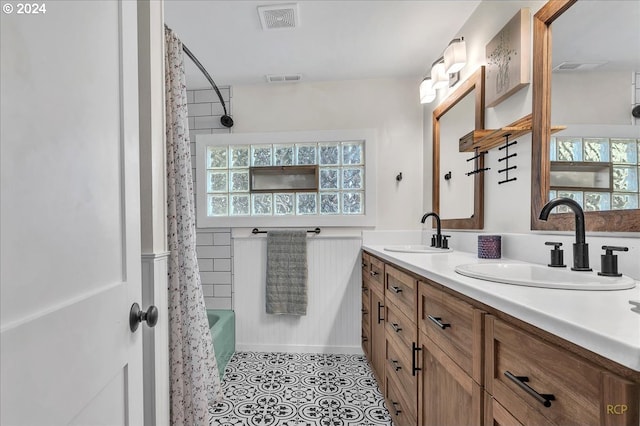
pixel 341 179
pixel 619 155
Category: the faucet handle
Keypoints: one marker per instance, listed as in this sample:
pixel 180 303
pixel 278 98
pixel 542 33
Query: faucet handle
pixel 433 240
pixel 445 242
pixel 557 255
pixel 609 261
pixel 610 249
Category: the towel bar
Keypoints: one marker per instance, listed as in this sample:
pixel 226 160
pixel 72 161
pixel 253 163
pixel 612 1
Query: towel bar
pixel 257 231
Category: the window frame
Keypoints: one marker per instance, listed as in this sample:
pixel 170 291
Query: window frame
pixel 340 220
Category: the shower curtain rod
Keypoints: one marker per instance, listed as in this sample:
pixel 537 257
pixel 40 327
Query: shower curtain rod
pixel 225 119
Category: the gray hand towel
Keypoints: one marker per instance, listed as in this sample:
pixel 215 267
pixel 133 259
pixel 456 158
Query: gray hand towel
pixel 286 272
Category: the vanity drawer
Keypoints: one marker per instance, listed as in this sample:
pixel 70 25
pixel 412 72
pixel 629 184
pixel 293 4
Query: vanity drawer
pixel 399 367
pixel 400 289
pixel 400 409
pixel 366 260
pixel 400 327
pixel 375 275
pixel 523 371
pixel 454 325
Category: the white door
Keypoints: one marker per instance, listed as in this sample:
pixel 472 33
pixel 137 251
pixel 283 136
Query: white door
pixel 70 233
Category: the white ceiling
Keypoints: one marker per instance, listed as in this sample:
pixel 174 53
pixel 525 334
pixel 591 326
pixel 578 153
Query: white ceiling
pixel 599 32
pixel 336 40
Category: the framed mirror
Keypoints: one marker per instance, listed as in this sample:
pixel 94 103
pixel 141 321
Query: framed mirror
pixel 457 198
pixel 595 160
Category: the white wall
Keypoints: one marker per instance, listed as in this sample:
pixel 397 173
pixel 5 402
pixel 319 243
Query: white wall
pixel 390 106
pixel 591 97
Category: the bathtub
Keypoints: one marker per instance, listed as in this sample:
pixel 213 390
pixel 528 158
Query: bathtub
pixel 222 324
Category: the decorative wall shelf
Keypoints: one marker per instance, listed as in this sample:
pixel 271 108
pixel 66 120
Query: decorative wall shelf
pixel 487 139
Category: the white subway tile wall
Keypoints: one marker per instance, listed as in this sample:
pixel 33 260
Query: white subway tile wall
pixel 215 255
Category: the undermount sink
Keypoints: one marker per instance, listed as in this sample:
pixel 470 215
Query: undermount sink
pixel 416 248
pixel 532 275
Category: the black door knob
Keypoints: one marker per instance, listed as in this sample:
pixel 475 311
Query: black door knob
pixel 136 316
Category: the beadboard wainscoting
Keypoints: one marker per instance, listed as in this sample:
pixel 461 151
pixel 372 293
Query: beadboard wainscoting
pixel 332 323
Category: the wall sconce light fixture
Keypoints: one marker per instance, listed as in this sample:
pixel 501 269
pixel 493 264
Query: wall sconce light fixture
pixel 455 55
pixel 445 70
pixel 427 92
pixel 439 77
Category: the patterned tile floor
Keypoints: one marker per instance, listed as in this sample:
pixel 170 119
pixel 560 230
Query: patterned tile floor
pixel 299 390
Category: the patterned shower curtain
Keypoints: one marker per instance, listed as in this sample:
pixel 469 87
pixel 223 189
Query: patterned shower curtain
pixel 194 379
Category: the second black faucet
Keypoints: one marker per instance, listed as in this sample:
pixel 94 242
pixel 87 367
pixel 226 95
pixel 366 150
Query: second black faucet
pixel 436 240
pixel 580 247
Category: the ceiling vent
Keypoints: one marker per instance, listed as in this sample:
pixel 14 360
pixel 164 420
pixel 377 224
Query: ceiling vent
pixel 578 66
pixel 279 16
pixel 283 78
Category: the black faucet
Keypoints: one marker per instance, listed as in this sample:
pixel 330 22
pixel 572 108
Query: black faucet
pixel 436 240
pixel 580 248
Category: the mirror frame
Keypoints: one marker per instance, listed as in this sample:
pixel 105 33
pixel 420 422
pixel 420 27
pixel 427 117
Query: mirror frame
pixel 611 220
pixel 475 81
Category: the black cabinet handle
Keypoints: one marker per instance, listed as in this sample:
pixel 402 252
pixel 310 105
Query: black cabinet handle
pixel 438 321
pixel 364 339
pixel 373 273
pixel 396 367
pixel 380 306
pixel 395 289
pixel 397 411
pixel 395 327
pixel 414 358
pixel 364 265
pixel 542 398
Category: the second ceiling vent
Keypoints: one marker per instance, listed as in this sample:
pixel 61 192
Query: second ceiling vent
pixel 279 16
pixel 283 78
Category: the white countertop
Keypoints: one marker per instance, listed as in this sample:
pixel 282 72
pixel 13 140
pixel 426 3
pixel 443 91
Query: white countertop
pixel 600 321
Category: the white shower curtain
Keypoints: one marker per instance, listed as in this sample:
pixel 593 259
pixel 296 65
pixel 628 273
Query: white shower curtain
pixel 194 379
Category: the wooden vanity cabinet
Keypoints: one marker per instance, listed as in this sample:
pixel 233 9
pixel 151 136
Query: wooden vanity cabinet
pixel 441 359
pixel 538 382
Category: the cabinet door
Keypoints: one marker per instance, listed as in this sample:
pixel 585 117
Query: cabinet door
pixel 448 395
pixel 378 342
